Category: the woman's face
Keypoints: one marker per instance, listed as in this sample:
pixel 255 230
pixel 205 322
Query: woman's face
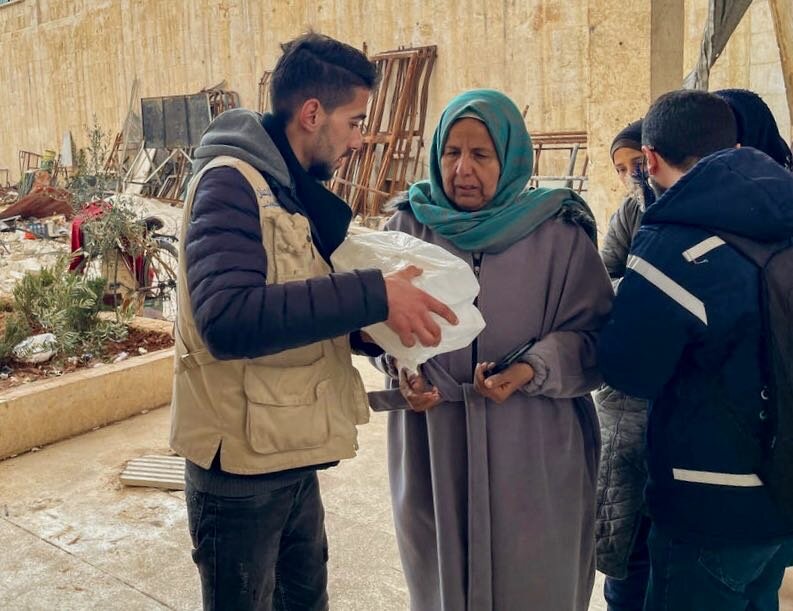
pixel 469 165
pixel 626 161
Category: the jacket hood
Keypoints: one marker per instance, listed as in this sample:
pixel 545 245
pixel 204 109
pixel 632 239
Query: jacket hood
pixel 239 133
pixel 740 191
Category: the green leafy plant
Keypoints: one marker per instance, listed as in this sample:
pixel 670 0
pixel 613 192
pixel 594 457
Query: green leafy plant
pixel 114 242
pixel 67 305
pixel 119 227
pixel 15 329
pixel 92 181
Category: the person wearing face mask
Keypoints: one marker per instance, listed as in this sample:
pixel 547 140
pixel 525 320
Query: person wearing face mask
pixel 493 477
pixel 622 525
pixel 697 330
pixel 627 158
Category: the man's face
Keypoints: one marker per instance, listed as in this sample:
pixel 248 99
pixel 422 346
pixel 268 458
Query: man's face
pixel 657 188
pixel 661 176
pixel 339 135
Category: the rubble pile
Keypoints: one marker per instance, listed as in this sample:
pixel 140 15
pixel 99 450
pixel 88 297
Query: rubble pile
pixel 20 254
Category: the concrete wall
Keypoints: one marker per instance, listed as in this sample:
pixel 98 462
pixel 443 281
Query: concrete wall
pixel 622 44
pixel 782 16
pixel 751 59
pixel 634 56
pixel 619 92
pixel 577 65
pixel 61 61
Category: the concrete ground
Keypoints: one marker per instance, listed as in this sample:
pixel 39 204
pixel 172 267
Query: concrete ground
pixel 71 537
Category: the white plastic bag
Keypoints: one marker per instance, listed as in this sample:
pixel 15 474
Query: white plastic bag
pixel 36 349
pixel 446 277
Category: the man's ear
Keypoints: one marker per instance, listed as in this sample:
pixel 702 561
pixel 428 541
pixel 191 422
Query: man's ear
pixel 310 116
pixel 653 160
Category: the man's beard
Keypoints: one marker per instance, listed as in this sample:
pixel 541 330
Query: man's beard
pixel 657 189
pixel 321 170
pixel 322 167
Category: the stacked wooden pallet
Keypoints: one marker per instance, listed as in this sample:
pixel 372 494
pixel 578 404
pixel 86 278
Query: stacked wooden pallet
pixel 393 132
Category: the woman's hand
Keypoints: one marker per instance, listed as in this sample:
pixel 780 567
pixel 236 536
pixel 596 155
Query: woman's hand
pixel 499 387
pixel 417 392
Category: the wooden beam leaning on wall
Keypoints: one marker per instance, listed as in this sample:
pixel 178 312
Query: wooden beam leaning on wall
pixel 393 134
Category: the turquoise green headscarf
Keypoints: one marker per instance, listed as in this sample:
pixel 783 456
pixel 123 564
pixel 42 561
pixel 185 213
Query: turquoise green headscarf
pixel 514 211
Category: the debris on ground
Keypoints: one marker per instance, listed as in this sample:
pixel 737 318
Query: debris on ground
pixel 36 349
pixel 155 472
pixel 18 373
pixel 42 203
pixel 8 195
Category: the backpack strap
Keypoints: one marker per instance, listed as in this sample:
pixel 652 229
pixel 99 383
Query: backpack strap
pixel 759 253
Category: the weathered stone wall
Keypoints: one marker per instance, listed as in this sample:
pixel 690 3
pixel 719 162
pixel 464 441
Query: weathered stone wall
pixel 61 61
pixel 750 61
pixel 576 65
pixel 624 44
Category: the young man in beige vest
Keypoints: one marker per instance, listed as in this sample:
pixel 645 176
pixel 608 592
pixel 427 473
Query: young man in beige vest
pixel 264 391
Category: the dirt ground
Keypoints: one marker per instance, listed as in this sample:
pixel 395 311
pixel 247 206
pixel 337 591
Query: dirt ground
pixel 137 342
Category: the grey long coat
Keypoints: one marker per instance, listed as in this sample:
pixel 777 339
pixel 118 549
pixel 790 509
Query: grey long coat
pixel 494 505
pixel 623 424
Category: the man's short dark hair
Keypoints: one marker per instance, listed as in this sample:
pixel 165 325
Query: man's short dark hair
pixel 685 126
pixel 317 66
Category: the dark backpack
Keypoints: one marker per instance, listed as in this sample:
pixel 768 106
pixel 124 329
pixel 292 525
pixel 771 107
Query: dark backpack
pixel 775 262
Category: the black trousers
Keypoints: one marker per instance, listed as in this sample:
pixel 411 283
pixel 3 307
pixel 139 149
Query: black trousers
pixel 266 551
pixel 687 577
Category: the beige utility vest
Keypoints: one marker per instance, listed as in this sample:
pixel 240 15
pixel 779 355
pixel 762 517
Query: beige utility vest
pixel 293 409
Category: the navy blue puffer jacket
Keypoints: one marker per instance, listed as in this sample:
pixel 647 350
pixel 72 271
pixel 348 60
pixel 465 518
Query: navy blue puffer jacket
pixel 686 333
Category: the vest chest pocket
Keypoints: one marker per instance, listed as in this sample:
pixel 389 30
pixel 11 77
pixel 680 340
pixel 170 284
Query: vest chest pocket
pixel 287 407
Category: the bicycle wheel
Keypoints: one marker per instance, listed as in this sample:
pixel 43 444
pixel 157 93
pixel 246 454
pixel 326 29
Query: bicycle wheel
pixel 162 267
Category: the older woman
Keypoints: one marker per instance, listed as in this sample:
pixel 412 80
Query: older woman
pixel 493 478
